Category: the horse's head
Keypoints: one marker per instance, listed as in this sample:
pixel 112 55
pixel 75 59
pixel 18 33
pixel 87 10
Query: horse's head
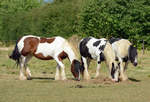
pixel 77 69
pixel 133 55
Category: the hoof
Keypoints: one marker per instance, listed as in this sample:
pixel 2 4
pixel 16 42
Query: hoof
pixel 123 79
pixel 87 78
pixel 28 75
pixel 57 78
pixel 114 80
pixel 64 78
pixel 29 78
pixel 22 78
pixel 96 76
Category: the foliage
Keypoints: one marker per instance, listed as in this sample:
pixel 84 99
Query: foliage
pixel 12 16
pixel 99 18
pixel 49 19
pixel 117 18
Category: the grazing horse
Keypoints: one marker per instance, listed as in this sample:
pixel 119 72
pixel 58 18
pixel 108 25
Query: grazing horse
pixel 124 52
pixel 100 50
pixel 56 48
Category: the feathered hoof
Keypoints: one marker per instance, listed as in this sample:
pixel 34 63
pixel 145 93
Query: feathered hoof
pixel 29 78
pixel 96 76
pixel 57 77
pixel 114 80
pixel 123 78
pixel 64 78
pixel 86 77
pixel 22 78
pixel 28 75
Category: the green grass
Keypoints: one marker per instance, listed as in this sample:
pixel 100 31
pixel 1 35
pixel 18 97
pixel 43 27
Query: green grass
pixel 43 87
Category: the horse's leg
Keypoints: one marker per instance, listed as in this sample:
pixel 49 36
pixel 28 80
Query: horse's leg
pixel 98 67
pixel 63 75
pixel 88 62
pixel 97 70
pixel 85 74
pixel 28 72
pixel 122 76
pixel 21 64
pixel 125 68
pixel 57 76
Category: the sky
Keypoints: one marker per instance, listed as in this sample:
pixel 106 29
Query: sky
pixel 48 0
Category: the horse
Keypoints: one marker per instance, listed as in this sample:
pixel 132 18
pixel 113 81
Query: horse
pixel 125 52
pixel 99 50
pixel 54 48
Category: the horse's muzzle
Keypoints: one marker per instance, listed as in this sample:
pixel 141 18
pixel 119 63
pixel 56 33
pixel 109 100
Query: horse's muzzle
pixel 77 79
pixel 135 64
pixel 10 56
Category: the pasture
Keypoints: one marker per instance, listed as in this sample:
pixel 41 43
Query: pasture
pixel 43 87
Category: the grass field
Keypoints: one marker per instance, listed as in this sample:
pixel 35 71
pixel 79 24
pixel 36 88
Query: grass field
pixel 43 87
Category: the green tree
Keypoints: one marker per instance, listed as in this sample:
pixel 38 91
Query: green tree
pixel 117 18
pixel 9 12
pixel 49 19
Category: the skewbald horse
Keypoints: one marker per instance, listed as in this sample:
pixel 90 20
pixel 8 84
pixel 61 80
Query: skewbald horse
pixel 100 50
pixel 56 48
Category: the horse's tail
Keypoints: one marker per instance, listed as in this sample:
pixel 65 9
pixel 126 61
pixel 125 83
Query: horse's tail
pixel 15 54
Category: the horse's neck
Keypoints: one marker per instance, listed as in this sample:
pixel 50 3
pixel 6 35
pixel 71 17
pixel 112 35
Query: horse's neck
pixel 72 58
pixel 71 55
pixel 69 50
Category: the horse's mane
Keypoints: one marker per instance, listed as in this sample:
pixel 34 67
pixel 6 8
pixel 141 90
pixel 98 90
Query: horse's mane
pixel 73 43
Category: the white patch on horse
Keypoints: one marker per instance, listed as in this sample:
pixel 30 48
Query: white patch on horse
pixel 50 49
pixel 94 50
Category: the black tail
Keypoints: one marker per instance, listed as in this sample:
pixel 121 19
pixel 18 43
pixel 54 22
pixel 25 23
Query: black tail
pixel 15 54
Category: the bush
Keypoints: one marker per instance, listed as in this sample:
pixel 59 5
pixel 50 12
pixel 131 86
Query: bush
pixel 50 19
pixel 117 18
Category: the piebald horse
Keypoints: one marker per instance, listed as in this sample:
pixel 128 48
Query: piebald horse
pixel 125 52
pixel 56 48
pixel 100 50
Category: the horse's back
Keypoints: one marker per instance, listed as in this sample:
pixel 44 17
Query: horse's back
pixel 30 44
pixel 92 47
pixel 121 47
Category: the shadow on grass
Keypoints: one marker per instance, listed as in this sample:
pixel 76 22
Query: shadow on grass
pixel 134 80
pixel 42 78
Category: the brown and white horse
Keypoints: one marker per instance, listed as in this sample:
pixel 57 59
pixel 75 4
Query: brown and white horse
pixel 56 48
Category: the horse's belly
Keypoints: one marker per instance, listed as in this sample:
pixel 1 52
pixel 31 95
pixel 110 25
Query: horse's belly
pixel 42 57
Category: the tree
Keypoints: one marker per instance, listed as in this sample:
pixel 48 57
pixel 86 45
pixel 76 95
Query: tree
pixel 117 18
pixel 49 19
pixel 9 12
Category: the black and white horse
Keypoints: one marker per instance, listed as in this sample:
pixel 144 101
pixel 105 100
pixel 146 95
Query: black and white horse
pixel 100 50
pixel 124 52
pixel 56 48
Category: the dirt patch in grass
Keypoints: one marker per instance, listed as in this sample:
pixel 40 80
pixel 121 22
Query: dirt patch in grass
pixel 102 80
